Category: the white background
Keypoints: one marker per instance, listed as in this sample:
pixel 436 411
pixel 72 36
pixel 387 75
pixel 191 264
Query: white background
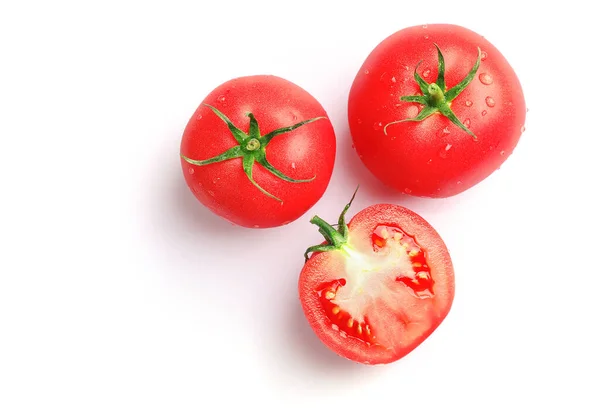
pixel 120 294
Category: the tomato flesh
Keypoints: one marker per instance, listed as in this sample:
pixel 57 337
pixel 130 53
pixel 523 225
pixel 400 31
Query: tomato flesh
pixel 421 283
pixel 384 292
pixel 341 319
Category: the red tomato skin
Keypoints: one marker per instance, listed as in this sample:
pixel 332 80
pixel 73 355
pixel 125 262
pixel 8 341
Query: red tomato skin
pixel 303 153
pixel 434 157
pixel 361 226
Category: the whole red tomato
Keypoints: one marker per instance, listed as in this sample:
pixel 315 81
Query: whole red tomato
pixel 377 287
pixel 259 151
pixel 435 109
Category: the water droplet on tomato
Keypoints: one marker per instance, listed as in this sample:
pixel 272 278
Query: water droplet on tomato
pixel 366 71
pixel 257 226
pixel 430 160
pixel 393 79
pixel 221 98
pixel 468 103
pixel 378 126
pixel 486 78
pixel 444 152
pixel 522 129
pixel 293 165
pixel 407 191
pixel 210 192
pixel 459 182
pixel 199 117
pixel 467 122
pixel 483 55
pixel 443 132
pixel 483 113
pixel 489 101
pixel 426 73
pixel 191 170
pixel 294 118
pixel 412 111
pixel 426 37
pixel 502 152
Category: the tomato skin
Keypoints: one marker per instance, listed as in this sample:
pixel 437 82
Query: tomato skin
pixel 308 151
pixel 434 157
pixel 322 266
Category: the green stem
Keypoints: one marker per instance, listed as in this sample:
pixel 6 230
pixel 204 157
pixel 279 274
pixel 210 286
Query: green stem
pixel 336 238
pixel 436 95
pixel 436 98
pixel 252 149
pixel 253 144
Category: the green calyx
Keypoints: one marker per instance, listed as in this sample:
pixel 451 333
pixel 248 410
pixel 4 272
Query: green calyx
pixel 252 149
pixel 435 98
pixel 335 239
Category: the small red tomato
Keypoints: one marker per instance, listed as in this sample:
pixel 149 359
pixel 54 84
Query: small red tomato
pixel 378 286
pixel 434 110
pixel 259 151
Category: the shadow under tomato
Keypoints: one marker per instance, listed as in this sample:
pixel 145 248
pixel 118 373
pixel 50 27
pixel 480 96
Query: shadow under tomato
pixel 193 215
pixel 350 164
pixel 184 226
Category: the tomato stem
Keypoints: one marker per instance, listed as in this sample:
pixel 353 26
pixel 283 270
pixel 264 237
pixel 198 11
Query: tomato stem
pixel 252 144
pixel 435 97
pixel 252 148
pixel 335 239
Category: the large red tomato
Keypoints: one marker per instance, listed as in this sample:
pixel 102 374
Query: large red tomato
pixel 435 109
pixel 259 151
pixel 377 287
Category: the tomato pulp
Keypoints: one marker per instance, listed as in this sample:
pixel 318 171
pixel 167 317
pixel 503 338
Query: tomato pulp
pixel 378 286
pixel 435 109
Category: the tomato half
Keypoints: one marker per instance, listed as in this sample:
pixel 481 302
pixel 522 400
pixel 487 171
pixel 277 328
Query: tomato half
pixel 435 109
pixel 377 287
pixel 258 151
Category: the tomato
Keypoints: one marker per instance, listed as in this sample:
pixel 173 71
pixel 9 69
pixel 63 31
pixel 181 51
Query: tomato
pixel 378 286
pixel 434 110
pixel 258 151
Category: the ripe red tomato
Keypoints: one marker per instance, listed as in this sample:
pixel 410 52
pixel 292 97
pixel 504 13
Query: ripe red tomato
pixel 428 134
pixel 377 287
pixel 259 151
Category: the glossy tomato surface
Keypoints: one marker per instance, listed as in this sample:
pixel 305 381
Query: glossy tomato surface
pixel 305 152
pixel 384 292
pixel 434 157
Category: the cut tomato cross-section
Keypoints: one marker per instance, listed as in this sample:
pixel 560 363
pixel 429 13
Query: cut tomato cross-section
pixel 378 286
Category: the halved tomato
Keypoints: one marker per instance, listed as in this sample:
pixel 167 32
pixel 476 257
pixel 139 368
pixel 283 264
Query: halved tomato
pixel 378 286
